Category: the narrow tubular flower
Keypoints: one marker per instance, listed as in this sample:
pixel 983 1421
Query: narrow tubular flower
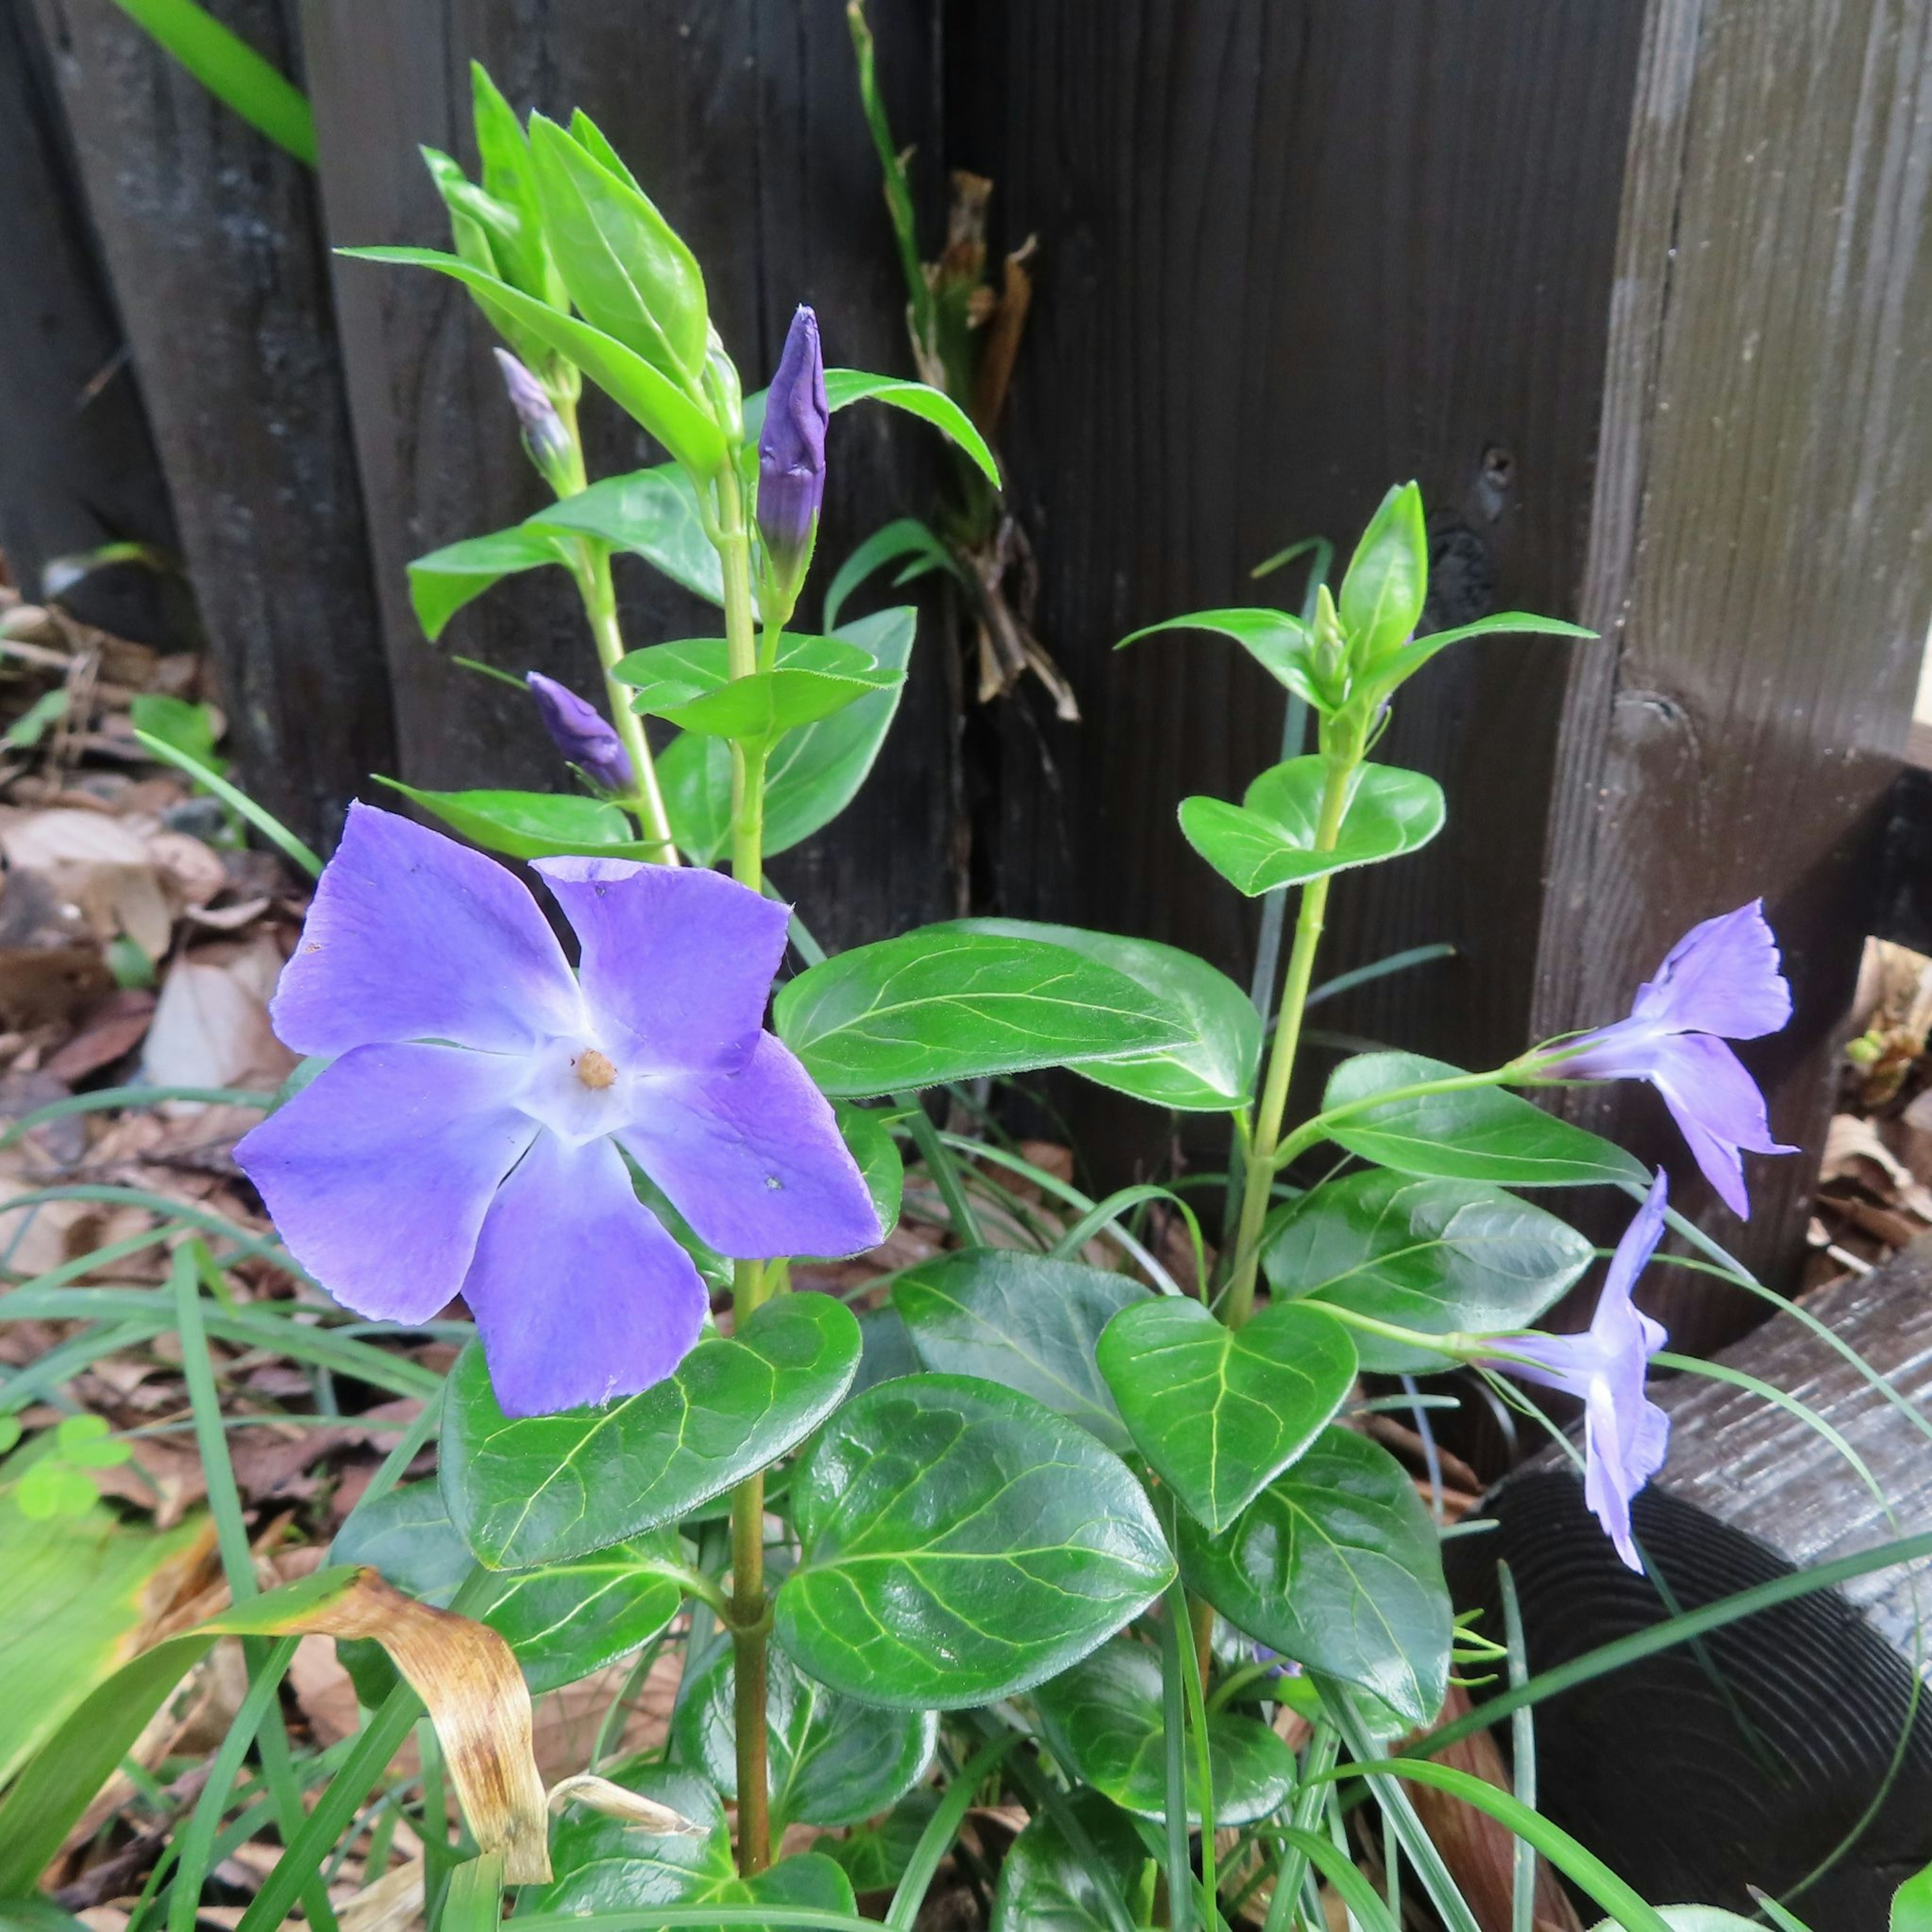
pixel 471 1136
pixel 791 450
pixel 1625 1435
pixel 582 733
pixel 1720 982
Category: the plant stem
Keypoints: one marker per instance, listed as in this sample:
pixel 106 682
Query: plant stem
pixel 1316 1127
pixel 600 607
pixel 1259 1177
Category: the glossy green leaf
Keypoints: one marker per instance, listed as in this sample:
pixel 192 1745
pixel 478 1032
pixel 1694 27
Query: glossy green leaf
pixel 1023 1321
pixel 1218 1411
pixel 1280 644
pixel 904 538
pixel 1912 1903
pixel 961 1543
pixel 1269 839
pixel 942 1004
pixel 531 824
pixel 812 775
pixel 874 1855
pixel 563 1620
pixel 627 270
pixel 1387 579
pixel 1047 1885
pixel 1405 663
pixel 543 1488
pixel 652 514
pixel 681 425
pixel 1431 1255
pixel 1103 1720
pixel 1212 1069
pixel 690 683
pixel 886 1349
pixel 444 581
pixel 881 1164
pixel 1481 1133
pixel 504 151
pixel 603 1864
pixel 1336 1564
pixel 843 387
pixel 232 70
pixel 831 1761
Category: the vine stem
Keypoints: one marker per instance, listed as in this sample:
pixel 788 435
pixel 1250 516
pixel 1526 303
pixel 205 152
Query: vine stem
pixel 1257 1180
pixel 600 606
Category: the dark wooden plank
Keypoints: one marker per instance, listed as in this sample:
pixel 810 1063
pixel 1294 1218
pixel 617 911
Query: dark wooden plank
pixel 212 238
pixel 1905 890
pixel 744 123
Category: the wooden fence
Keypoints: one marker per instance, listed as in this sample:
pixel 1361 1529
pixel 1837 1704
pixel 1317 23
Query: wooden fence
pixel 1640 289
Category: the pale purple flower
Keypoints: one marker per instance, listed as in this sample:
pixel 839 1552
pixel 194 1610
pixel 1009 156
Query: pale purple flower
pixel 545 435
pixel 582 733
pixel 791 448
pixel 1625 1435
pixel 471 1136
pixel 1721 978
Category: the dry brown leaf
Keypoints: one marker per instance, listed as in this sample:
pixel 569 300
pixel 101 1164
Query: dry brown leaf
pixel 324 1690
pixel 211 1027
pixel 116 1027
pixel 95 863
pixel 599 1794
pixel 392 1902
pixel 41 984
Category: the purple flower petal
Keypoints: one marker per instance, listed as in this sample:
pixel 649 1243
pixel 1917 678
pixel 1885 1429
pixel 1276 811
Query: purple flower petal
pixel 1717 1109
pixel 378 1172
pixel 579 1293
pixel 681 957
pixel 414 937
pixel 1721 977
pixel 752 1158
pixel 1606 1487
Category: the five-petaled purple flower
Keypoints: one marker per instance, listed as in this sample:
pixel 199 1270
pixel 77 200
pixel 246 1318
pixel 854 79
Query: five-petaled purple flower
pixel 471 1136
pixel 1721 978
pixel 582 733
pixel 791 449
pixel 1625 1435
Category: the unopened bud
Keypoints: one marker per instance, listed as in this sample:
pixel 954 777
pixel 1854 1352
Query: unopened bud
pixel 791 453
pixel 544 436
pixel 582 733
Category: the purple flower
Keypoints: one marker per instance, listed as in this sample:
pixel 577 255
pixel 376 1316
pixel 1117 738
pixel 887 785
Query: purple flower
pixel 1720 978
pixel 1625 1435
pixel 545 435
pixel 582 733
pixel 472 1137
pixel 791 450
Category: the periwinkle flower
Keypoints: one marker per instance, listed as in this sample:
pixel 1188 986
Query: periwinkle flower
pixel 1720 979
pixel 544 436
pixel 582 733
pixel 471 1136
pixel 791 451
pixel 1625 1434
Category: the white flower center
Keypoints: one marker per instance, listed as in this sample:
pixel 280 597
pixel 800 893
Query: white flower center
pixel 578 1090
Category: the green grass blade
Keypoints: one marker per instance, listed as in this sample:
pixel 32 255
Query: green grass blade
pixel 1523 1739
pixel 103 1097
pixel 231 70
pixel 1174 1633
pixel 264 821
pixel 936 1841
pixel 1344 1877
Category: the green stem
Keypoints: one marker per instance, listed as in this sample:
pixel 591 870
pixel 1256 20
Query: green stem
pixel 600 607
pixel 1316 1127
pixel 1259 1174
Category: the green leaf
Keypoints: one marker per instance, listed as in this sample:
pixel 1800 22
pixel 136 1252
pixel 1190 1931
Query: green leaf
pixel 1268 839
pixel 1912 1903
pixel 543 1488
pixel 563 1620
pixel 874 1856
pixel 505 154
pixel 831 1761
pixel 880 1162
pixel 232 70
pixel 603 1864
pixel 188 728
pixel 652 514
pixel 1481 1133
pixel 683 427
pixel 1046 1885
pixel 1387 579
pixel 441 582
pixel 905 537
pixel 1405 663
pixel 1336 1564
pixel 1277 642
pixel 843 387
pixel 626 267
pixel 690 683
pixel 1103 1720
pixel 941 1004
pixel 812 775
pixel 886 1349
pixel 961 1543
pixel 531 824
pixel 1023 1321
pixel 1217 1411
pixel 1212 1068
pixel 1431 1255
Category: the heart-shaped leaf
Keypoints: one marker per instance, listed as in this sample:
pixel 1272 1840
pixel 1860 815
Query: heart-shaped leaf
pixel 1212 1070
pixel 1336 1564
pixel 546 1487
pixel 563 1620
pixel 531 824
pixel 1047 1884
pixel 1104 1721
pixel 1269 839
pixel 831 1761
pixel 939 1003
pixel 1479 1133
pixel 1277 642
pixel 444 581
pixel 1023 1321
pixel 653 514
pixel 1430 1255
pixel 960 1543
pixel 1216 1410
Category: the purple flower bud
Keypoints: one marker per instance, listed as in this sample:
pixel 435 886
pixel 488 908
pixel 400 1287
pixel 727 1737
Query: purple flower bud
pixel 791 450
pixel 582 733
pixel 544 432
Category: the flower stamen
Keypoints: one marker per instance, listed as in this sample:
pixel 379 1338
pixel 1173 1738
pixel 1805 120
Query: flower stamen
pixel 596 1069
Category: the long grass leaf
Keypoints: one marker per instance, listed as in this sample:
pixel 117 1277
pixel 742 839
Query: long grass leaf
pixel 232 70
